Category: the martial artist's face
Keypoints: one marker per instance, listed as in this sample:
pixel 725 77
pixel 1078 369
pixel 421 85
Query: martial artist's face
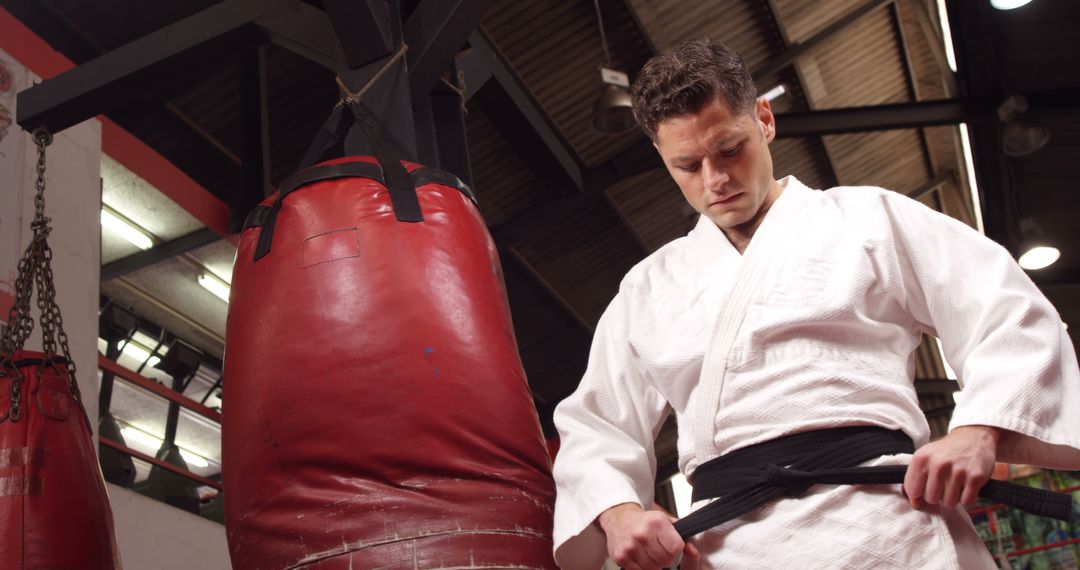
pixel 721 162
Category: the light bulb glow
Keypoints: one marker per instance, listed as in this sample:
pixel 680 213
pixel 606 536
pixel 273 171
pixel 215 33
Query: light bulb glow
pixel 774 92
pixel 215 285
pixel 139 353
pixel 946 35
pixel 133 435
pixel 122 228
pixel 1039 257
pixel 949 372
pixel 682 491
pixel 1008 4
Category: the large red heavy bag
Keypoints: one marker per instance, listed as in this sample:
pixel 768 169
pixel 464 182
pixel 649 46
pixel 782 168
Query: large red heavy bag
pixel 54 510
pixel 377 414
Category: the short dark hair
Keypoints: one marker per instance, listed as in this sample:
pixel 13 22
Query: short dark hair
pixel 684 78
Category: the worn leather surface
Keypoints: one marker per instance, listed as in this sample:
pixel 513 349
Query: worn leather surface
pixel 54 510
pixel 376 412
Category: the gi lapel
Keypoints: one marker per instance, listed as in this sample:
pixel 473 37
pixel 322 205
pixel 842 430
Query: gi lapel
pixel 769 237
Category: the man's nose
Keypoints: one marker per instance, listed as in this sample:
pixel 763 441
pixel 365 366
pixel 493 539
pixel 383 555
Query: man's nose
pixel 714 176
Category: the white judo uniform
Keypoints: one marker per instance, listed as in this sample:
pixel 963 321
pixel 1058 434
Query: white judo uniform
pixel 813 327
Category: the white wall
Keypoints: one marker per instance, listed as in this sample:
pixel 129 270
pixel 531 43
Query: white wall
pixel 156 536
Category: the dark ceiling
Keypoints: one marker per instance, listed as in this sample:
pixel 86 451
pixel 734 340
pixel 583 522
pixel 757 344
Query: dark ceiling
pixel 570 209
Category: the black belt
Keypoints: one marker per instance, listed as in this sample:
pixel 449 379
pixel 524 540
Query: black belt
pixel 747 478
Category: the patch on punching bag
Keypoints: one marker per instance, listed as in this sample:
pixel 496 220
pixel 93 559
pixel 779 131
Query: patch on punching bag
pixel 331 246
pixel 53 394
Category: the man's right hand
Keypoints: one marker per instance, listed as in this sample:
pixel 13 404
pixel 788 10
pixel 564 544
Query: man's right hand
pixel 642 540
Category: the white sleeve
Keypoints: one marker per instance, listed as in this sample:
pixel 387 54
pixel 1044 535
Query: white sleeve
pixel 606 429
pixel 1013 358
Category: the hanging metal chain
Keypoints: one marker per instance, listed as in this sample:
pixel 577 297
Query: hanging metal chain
pixel 35 270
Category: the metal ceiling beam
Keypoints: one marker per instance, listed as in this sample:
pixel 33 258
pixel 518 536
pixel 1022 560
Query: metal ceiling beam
pixel 158 253
pixel 255 141
pixel 435 32
pixel 933 184
pixel 386 93
pixel 766 72
pixel 642 157
pixel 883 117
pixel 360 26
pixel 523 124
pixel 164 60
pixel 551 290
pixel 306 31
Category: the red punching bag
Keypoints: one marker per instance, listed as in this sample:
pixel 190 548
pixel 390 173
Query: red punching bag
pixel 54 511
pixel 377 412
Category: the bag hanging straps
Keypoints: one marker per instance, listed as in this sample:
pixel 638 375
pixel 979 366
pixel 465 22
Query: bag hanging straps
pixel 35 269
pixel 400 185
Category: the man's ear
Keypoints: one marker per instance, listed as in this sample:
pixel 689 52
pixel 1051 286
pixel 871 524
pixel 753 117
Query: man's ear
pixel 766 119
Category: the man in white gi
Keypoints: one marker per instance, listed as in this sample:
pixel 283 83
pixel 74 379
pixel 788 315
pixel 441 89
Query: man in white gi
pixel 788 310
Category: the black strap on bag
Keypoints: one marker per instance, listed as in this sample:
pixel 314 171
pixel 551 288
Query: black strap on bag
pixel 333 131
pixel 421 176
pixel 746 479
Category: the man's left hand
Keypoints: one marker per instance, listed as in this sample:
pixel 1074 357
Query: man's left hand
pixel 951 471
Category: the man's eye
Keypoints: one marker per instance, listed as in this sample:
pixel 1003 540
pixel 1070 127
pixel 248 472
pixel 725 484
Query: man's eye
pixel 731 151
pixel 690 167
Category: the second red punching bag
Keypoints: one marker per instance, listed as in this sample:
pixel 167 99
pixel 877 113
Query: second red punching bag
pixel 377 412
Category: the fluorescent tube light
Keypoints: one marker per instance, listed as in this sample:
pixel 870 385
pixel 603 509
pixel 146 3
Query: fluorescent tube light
pixel 215 285
pixel 946 34
pixel 682 491
pixel 969 165
pixel 949 372
pixel 139 353
pixel 125 229
pixel 774 92
pixel 132 435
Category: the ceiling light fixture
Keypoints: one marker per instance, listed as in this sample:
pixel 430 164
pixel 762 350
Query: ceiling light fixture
pixel 125 229
pixel 1008 4
pixel 1039 256
pixel 215 285
pixel 612 112
pixel 1021 136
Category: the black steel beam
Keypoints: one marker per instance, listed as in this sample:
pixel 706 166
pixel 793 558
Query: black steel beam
pixel 933 184
pixel 362 29
pixel 435 32
pixel 306 31
pixel 158 253
pixel 523 124
pixel 477 71
pixel 641 156
pixel 883 117
pixel 385 86
pixel 441 134
pixel 936 386
pixel 163 60
pixel 255 142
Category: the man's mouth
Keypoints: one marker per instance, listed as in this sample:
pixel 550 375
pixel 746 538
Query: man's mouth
pixel 726 200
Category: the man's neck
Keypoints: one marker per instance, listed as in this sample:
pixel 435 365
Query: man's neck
pixel 740 236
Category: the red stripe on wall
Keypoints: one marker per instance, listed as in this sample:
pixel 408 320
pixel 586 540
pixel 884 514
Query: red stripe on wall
pixel 39 57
